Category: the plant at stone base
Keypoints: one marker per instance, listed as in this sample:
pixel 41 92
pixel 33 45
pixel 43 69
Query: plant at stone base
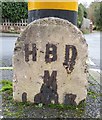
pixel 6 85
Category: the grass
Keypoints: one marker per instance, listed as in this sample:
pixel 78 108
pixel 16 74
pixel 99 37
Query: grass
pixel 62 106
pixel 93 94
pixel 6 85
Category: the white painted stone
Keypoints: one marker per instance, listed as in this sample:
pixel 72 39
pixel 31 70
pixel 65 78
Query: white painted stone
pixel 29 76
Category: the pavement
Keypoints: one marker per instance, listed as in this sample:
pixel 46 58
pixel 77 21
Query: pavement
pixel 96 75
pixel 95 72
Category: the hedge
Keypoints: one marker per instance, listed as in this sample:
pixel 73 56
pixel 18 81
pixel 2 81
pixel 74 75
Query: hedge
pixel 14 11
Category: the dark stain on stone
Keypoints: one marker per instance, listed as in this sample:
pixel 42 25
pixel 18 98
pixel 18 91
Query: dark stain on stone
pixel 17 59
pixel 49 52
pixel 48 35
pixel 17 48
pixel 38 82
pixel 70 62
pixel 42 51
pixel 70 99
pixel 24 97
pixel 48 91
pixel 85 71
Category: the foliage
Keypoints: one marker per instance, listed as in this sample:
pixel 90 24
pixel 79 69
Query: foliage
pixel 80 16
pixel 82 12
pixel 95 14
pixel 98 16
pixel 6 85
pixel 14 11
pixel 91 10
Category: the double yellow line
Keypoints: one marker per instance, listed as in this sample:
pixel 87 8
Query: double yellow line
pixel 50 4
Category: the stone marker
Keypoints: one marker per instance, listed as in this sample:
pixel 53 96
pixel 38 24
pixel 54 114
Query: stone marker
pixel 50 63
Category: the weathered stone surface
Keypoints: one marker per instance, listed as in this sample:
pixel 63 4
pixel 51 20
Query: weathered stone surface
pixel 50 63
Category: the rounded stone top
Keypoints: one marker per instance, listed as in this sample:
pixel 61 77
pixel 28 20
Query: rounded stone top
pixel 52 21
pixel 55 21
